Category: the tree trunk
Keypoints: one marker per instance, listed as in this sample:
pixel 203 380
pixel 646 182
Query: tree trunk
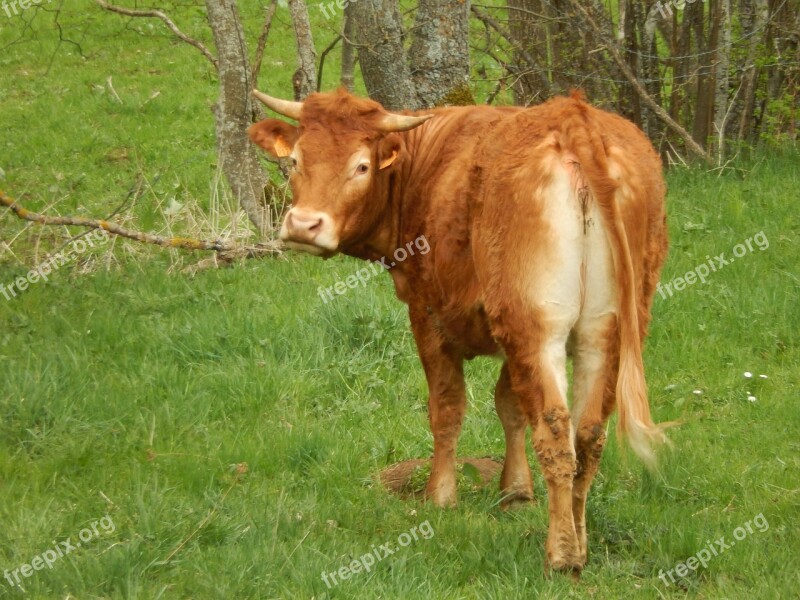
pixel 379 36
pixel 237 156
pixel 650 70
pixel 681 48
pixel 439 54
pixel 721 75
pixel 781 35
pixel 628 103
pixel 348 52
pixel 304 80
pixel 704 91
pixel 761 10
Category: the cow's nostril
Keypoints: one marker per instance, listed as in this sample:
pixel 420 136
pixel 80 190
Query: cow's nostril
pixel 310 227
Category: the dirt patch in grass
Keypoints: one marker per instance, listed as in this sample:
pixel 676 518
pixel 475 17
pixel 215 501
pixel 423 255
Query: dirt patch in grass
pixel 408 478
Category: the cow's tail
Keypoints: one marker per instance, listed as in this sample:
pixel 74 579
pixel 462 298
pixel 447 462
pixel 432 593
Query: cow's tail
pixel 634 421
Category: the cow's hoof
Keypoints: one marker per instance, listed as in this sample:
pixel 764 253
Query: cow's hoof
pixel 445 502
pixel 442 496
pixel 571 568
pixel 513 499
pixel 582 556
pixel 564 558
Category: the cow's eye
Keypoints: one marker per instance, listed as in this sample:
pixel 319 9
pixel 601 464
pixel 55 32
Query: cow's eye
pixel 362 168
pixel 294 162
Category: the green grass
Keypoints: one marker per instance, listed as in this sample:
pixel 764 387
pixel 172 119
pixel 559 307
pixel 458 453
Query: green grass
pixel 139 392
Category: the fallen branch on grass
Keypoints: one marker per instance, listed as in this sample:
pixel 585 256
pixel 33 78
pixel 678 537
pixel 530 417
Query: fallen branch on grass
pixel 226 251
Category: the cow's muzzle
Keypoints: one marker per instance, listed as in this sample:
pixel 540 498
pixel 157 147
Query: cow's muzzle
pixel 309 230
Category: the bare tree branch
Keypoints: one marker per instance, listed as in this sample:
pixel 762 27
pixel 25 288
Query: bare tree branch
pixel 639 89
pixel 160 15
pixel 322 56
pixel 225 250
pixel 491 23
pixel 262 40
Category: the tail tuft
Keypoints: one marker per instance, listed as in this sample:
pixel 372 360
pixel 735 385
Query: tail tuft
pixel 635 422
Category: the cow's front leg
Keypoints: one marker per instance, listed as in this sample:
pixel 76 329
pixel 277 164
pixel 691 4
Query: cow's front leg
pixel 446 407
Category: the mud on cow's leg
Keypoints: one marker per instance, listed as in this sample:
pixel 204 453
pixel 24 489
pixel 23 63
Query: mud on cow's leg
pixel 590 439
pixel 444 370
pixel 537 366
pixel 596 356
pixel 553 443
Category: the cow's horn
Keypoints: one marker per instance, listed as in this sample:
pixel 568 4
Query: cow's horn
pixel 393 122
pixel 287 108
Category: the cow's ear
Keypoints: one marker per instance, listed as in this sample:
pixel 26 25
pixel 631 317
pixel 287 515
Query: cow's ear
pixel 389 149
pixel 274 136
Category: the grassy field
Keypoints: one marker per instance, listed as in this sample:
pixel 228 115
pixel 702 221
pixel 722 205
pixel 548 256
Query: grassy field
pixel 219 435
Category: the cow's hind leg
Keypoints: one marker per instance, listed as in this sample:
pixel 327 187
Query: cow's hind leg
pixel 595 357
pixel 595 353
pixel 530 250
pixel 537 367
pixel 516 484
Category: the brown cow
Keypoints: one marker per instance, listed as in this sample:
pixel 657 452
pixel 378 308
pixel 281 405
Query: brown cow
pixel 547 233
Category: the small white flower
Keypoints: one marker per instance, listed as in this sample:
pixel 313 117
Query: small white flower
pixel 752 398
pixel 763 376
pixel 698 392
pixel 748 374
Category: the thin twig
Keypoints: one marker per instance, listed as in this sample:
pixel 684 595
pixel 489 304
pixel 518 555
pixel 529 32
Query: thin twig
pixel 113 91
pixel 133 193
pixel 61 40
pixel 262 40
pixel 519 47
pixel 241 469
pixel 322 56
pixel 226 250
pixel 160 15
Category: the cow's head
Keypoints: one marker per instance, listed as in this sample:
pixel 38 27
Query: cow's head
pixel 342 153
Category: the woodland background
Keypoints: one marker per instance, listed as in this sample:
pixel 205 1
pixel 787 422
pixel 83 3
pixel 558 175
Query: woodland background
pixel 233 424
